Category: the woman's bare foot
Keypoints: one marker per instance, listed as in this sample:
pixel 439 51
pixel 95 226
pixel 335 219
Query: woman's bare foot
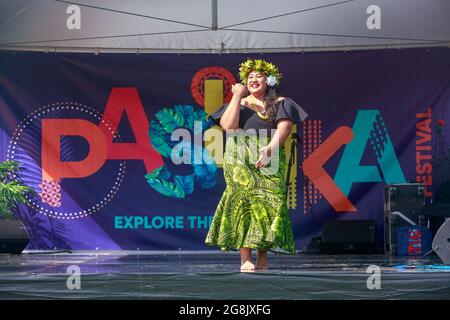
pixel 261 267
pixel 261 261
pixel 247 266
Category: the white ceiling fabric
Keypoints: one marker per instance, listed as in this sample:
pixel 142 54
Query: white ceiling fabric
pixel 176 25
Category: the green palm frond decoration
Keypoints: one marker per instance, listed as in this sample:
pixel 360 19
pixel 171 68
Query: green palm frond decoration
pixel 166 188
pixel 159 143
pixel 12 191
pixel 185 111
pixel 170 119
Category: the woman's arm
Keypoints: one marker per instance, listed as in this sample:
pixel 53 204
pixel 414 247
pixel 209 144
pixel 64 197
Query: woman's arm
pixel 230 118
pixel 284 127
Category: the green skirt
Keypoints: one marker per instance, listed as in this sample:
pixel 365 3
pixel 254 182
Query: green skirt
pixel 252 212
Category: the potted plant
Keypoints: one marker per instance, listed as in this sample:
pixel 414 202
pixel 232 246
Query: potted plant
pixel 13 235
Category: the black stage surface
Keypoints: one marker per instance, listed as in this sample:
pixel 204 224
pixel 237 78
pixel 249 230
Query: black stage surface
pixel 215 275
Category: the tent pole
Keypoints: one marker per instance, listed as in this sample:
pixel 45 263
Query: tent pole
pixel 214 16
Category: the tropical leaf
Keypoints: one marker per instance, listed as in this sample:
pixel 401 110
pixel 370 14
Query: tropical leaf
pixel 154 173
pixel 186 112
pixel 12 192
pixel 166 188
pixel 170 119
pixel 7 168
pixel 167 120
pixel 208 122
pixel 205 175
pixel 159 143
pixel 165 174
pixel 157 129
pixel 185 182
pixel 199 114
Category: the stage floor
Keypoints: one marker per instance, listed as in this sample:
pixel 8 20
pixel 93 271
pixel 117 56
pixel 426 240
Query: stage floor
pixel 215 275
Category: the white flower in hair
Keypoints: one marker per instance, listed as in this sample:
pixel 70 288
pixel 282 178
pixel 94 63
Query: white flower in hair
pixel 271 81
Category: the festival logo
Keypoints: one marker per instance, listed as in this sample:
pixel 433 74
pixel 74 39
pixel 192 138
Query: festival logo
pixel 368 128
pixel 68 146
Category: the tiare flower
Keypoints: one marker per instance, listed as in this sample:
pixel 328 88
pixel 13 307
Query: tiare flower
pixel 271 81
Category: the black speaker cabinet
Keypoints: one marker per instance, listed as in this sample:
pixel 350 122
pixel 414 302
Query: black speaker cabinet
pixel 349 237
pixel 403 206
pixel 13 236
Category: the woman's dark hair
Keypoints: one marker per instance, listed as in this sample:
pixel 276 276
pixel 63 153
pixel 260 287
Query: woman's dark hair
pixel 272 96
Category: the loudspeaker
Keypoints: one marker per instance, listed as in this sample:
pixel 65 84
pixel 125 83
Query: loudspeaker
pixel 13 236
pixel 349 237
pixel 403 203
pixel 441 242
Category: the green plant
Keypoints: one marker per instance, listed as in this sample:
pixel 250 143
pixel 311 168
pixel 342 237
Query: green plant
pixel 12 191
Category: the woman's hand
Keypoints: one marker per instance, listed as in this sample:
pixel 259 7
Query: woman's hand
pixel 264 155
pixel 230 118
pixel 239 89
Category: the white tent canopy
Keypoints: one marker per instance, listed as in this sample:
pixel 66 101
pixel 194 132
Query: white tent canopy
pixel 222 25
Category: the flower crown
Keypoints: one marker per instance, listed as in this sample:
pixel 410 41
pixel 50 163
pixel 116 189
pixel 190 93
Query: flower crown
pixel 260 65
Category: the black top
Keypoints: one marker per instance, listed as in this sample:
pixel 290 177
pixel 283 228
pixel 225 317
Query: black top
pixel 249 119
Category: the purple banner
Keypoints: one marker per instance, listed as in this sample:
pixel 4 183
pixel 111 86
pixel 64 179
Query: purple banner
pixel 93 133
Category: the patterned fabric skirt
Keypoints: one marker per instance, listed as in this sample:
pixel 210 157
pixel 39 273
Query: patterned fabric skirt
pixel 252 212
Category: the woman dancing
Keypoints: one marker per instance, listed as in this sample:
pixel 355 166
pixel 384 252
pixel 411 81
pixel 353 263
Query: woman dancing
pixel 252 212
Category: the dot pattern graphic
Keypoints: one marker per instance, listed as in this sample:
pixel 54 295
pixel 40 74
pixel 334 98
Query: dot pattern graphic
pixel 51 190
pixel 312 133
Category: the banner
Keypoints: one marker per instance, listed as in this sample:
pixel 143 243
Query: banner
pixel 94 135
